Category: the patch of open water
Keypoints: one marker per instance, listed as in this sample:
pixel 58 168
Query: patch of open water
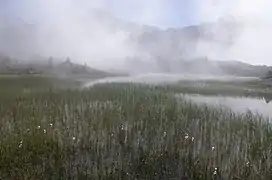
pixel 240 105
pixel 237 104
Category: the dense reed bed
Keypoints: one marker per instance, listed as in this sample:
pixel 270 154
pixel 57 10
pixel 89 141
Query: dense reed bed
pixel 126 131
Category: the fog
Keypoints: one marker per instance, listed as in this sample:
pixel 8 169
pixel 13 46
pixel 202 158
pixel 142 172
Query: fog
pixel 165 79
pixel 252 42
pixel 88 31
pixel 65 28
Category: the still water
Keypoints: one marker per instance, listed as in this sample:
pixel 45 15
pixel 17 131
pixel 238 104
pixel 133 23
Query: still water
pixel 237 104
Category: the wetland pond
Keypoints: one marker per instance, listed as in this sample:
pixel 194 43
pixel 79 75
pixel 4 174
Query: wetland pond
pixel 259 106
pixel 237 104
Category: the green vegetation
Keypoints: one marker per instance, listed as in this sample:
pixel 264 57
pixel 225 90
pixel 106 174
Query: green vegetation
pixel 40 66
pixel 124 131
pixel 247 88
pixel 13 86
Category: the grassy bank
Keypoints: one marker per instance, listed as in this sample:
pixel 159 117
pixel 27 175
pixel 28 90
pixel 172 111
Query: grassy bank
pixel 125 131
pixel 248 88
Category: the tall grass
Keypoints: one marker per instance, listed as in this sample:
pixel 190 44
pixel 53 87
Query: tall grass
pixel 126 131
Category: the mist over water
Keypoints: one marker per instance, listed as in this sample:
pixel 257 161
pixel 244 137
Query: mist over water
pixel 162 79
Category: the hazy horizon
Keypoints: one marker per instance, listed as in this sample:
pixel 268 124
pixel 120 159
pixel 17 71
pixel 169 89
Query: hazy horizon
pixel 70 28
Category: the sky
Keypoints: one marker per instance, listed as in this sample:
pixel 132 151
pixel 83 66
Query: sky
pixel 252 46
pixel 162 13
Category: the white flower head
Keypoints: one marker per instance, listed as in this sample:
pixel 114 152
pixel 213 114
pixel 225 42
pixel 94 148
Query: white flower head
pixel 51 125
pixel 21 144
pixel 164 133
pixel 186 136
pixel 38 127
pixel 215 171
pixel 213 148
pixel 193 138
pixel 74 138
pixel 122 127
pixel 44 131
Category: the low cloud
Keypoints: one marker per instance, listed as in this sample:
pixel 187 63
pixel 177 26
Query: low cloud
pixel 252 41
pixel 78 29
pixel 83 31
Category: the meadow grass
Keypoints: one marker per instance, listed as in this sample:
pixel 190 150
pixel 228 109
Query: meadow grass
pixel 126 131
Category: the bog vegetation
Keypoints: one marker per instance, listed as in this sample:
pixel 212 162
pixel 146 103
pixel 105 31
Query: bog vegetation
pixel 52 130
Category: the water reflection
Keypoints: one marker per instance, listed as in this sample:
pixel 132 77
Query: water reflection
pixel 261 106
